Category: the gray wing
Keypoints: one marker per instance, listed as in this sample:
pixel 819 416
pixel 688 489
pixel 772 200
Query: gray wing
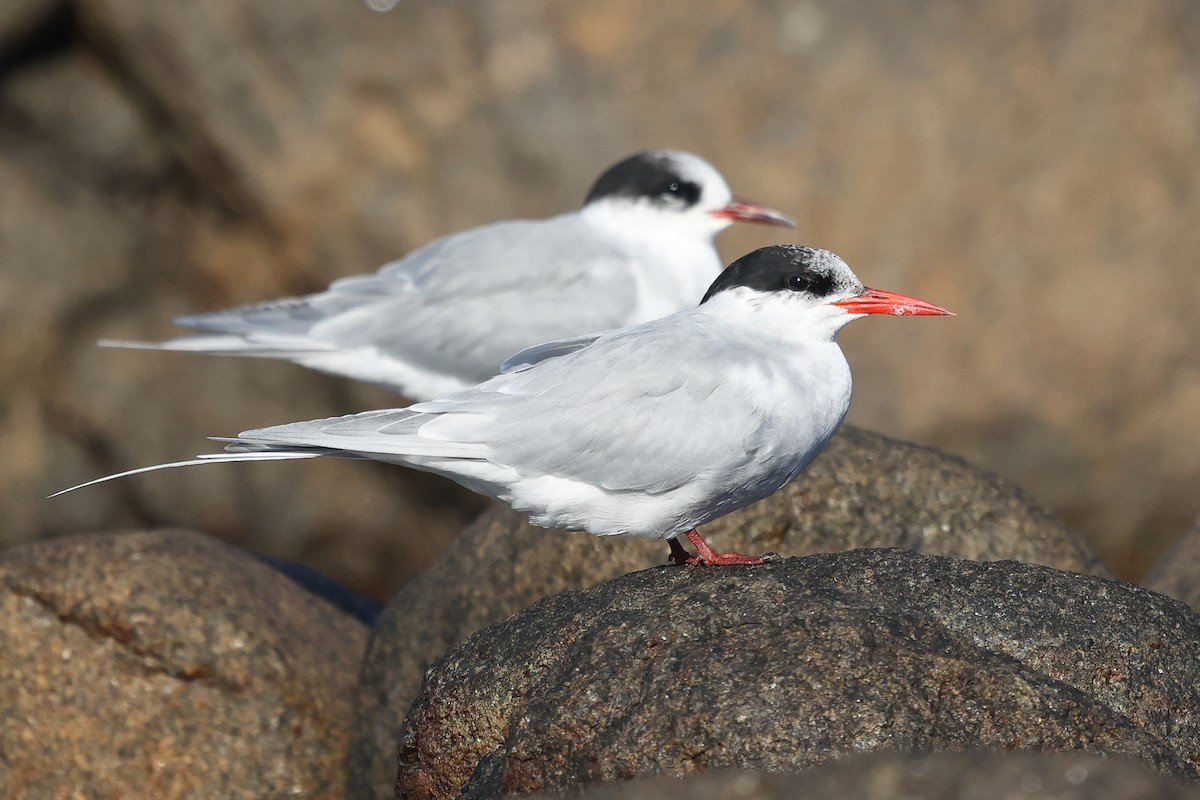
pixel 467 301
pixel 545 351
pixel 619 414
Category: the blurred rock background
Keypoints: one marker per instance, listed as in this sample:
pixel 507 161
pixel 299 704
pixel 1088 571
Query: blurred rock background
pixel 1032 165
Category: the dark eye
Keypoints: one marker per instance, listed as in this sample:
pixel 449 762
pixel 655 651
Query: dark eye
pixel 686 191
pixel 799 283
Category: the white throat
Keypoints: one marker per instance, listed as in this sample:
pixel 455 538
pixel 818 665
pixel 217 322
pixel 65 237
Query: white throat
pixel 782 317
pixel 673 259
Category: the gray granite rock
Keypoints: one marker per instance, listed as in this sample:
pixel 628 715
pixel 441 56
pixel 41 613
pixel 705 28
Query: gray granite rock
pixel 789 664
pixel 976 775
pixel 866 490
pixel 170 665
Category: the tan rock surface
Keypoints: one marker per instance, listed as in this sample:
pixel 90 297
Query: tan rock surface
pixel 168 665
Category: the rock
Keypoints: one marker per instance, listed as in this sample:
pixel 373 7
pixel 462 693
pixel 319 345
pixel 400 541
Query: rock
pixel 80 119
pixel 866 490
pixel 112 221
pixel 786 665
pixel 74 246
pixel 979 775
pixel 1177 573
pixel 171 665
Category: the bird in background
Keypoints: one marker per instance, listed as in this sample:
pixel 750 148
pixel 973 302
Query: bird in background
pixel 650 430
pixel 445 317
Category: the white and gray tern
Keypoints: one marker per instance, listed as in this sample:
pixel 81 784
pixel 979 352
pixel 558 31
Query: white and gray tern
pixel 446 316
pixel 650 430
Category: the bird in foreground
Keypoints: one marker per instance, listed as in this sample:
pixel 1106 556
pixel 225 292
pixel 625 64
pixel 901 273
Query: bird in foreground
pixel 446 316
pixel 651 430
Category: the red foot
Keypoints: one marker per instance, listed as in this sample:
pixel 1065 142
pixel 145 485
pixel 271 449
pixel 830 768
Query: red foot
pixel 707 557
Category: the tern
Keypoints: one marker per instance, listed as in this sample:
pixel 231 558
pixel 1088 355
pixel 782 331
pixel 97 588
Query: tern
pixel 650 430
pixel 445 317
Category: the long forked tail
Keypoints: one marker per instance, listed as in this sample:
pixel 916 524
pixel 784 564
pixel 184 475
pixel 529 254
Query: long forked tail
pixel 216 458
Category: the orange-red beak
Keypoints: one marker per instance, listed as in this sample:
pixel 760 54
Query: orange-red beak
pixel 740 210
pixel 877 301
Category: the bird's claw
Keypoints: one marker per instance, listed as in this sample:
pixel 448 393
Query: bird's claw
pixel 707 557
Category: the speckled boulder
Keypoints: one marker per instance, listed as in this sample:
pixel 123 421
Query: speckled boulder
pixel 1177 573
pixel 168 665
pixel 788 664
pixel 865 490
pixel 977 775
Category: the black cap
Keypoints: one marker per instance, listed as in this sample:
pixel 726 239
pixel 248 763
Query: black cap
pixel 653 175
pixel 787 268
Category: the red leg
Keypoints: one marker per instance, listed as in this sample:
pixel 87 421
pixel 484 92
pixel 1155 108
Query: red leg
pixel 706 556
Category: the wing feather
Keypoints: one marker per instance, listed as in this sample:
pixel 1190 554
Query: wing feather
pixel 545 351
pixel 462 301
pixel 388 435
pixel 616 413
